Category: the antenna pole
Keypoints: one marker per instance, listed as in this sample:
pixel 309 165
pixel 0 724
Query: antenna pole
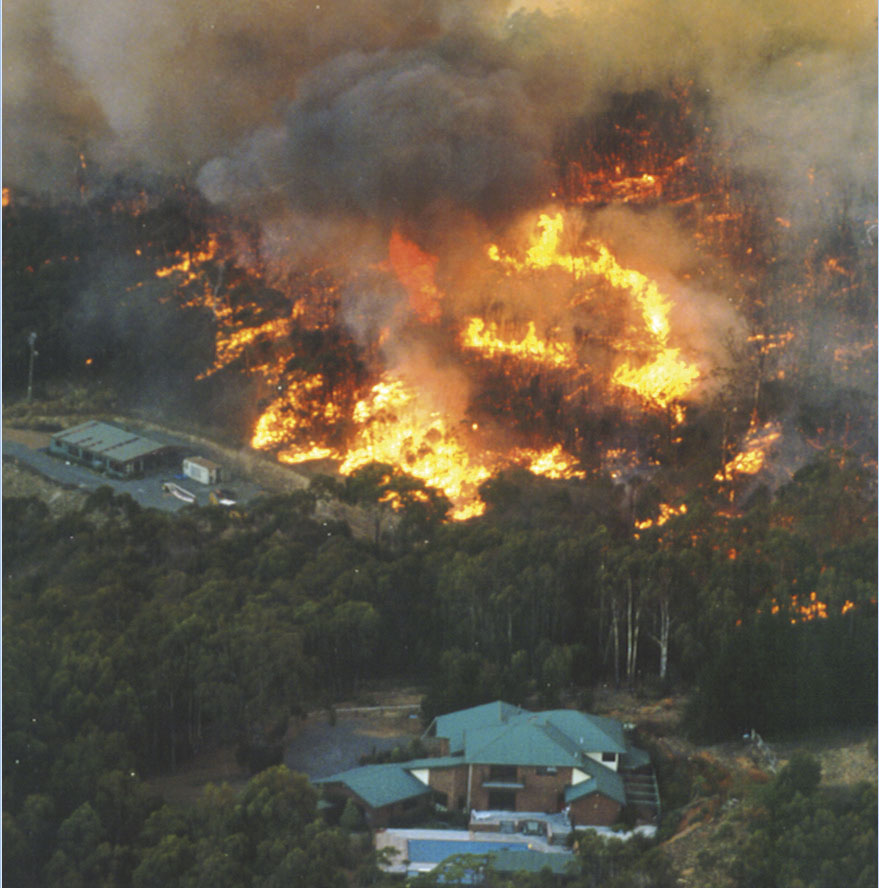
pixel 31 341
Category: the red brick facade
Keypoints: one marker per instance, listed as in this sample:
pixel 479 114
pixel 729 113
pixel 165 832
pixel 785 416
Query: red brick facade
pixel 594 810
pixel 541 791
pixel 451 783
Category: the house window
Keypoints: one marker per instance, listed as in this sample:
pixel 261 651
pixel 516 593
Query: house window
pixel 546 772
pixel 608 756
pixel 501 800
pixel 441 798
pixel 503 773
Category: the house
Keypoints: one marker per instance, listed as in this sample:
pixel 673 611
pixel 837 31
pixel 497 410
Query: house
pixel 202 470
pixel 110 449
pixel 501 758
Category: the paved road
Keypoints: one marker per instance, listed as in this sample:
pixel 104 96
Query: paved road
pixel 147 491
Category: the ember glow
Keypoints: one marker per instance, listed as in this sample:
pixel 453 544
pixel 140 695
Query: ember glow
pixel 804 609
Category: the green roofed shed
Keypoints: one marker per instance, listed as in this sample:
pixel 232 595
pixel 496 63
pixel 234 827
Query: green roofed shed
pixel 110 449
pixel 379 785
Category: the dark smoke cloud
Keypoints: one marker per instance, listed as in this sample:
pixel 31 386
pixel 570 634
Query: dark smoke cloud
pixel 166 85
pixel 391 135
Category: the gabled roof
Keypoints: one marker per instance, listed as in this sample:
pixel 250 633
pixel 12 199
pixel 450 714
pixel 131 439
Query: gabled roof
pixel 558 737
pixel 604 781
pixel 379 785
pixel 456 725
pixel 522 743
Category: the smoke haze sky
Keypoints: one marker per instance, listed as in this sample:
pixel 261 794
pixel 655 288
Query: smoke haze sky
pixel 375 107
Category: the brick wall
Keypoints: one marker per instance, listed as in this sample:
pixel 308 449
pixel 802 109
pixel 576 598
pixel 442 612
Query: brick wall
pixel 595 810
pixel 452 782
pixel 541 792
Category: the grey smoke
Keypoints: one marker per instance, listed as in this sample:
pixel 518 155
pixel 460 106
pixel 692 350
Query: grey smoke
pixel 390 135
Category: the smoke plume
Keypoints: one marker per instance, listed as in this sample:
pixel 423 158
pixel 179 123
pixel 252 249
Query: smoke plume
pixel 376 106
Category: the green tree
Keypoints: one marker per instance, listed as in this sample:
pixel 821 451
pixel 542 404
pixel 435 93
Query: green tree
pixel 351 819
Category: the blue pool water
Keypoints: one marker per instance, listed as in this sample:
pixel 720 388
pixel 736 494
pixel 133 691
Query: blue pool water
pixel 437 850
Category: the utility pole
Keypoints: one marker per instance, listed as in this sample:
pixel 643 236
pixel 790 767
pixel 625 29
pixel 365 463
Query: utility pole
pixel 31 341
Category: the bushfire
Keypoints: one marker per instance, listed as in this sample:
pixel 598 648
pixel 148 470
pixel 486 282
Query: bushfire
pixel 455 356
pixel 398 419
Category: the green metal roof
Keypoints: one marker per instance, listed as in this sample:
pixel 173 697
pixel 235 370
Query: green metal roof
pixel 440 761
pixel 108 441
pixel 604 781
pixel 500 734
pixel 593 733
pixel 379 785
pixel 520 744
pixel 559 737
pixel 456 725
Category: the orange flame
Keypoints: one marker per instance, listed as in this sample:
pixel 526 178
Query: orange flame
pixel 769 341
pixel 415 270
pixel 230 345
pixel 810 609
pixel 752 459
pixel 551 463
pixel 189 262
pixel 666 512
pixel 397 424
pixel 666 378
pixel 485 338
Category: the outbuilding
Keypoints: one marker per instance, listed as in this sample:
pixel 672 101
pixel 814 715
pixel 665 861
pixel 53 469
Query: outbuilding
pixel 110 449
pixel 384 794
pixel 202 470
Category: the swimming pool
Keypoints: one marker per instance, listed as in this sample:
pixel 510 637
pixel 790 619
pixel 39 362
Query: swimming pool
pixel 437 850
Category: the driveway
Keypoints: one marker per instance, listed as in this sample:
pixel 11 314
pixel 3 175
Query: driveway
pixel 321 749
